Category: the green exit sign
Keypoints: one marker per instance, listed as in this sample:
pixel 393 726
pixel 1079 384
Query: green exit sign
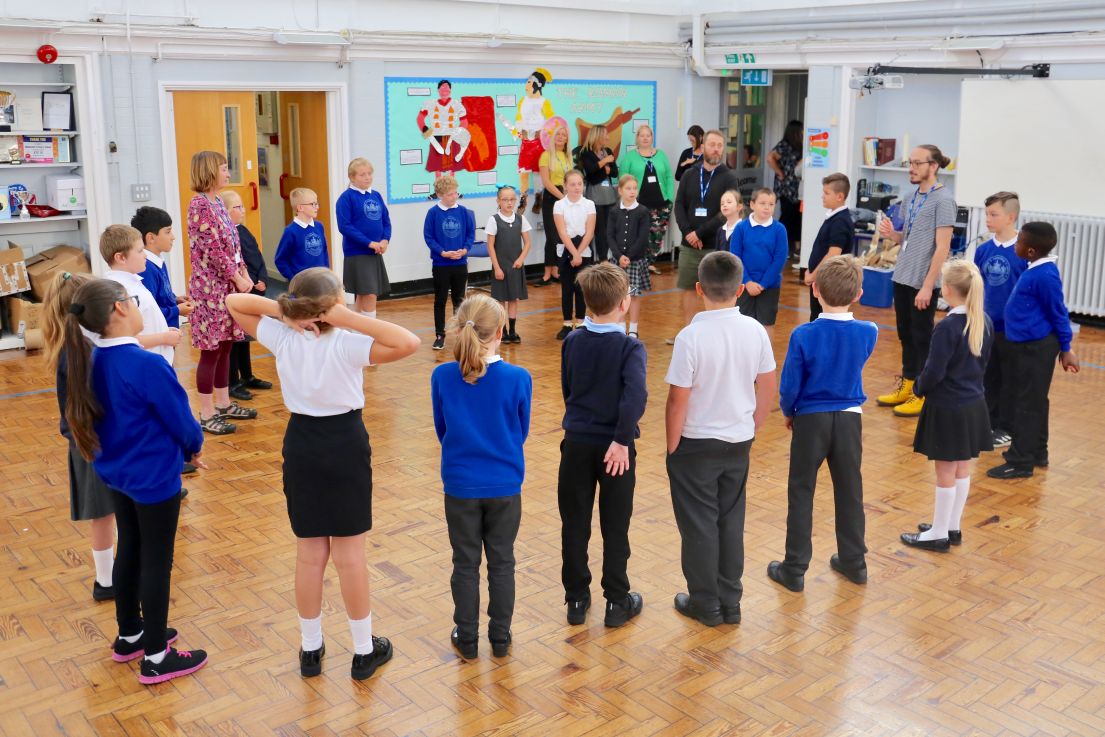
pixel 740 58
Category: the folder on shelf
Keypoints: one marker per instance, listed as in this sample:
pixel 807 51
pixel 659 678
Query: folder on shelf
pixel 884 153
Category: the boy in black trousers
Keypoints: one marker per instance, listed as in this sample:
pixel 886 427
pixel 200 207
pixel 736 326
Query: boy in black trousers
pixel 602 375
pixel 241 370
pixel 834 238
pixel 821 393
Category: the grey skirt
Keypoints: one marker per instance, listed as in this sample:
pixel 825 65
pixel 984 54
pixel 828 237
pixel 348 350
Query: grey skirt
pixel 89 496
pixel 366 275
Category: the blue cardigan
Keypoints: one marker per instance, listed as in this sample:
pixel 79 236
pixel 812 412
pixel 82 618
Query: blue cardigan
pixel 763 251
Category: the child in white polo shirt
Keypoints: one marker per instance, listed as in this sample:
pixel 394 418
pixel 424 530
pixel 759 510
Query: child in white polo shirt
pixel 574 216
pixel 722 378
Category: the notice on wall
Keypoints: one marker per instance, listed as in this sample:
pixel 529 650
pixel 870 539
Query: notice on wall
pixel 817 148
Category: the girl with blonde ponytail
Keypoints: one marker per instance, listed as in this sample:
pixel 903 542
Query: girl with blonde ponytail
pixel 954 426
pixel 481 410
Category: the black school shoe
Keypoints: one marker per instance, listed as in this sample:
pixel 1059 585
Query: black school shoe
pixel 501 648
pixel 310 661
pixel 238 391
pixel 365 665
pixel 188 469
pixel 787 580
pixel 855 575
pixel 102 593
pixel 467 649
pixel 731 614
pixel 955 537
pixel 564 332
pixel 912 539
pixel 619 614
pixel 684 606
pixel 254 383
pixel 577 611
pixel 1009 471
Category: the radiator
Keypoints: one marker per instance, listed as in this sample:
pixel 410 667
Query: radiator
pixel 1081 252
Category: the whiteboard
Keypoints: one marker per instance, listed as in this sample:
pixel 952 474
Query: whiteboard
pixel 1040 138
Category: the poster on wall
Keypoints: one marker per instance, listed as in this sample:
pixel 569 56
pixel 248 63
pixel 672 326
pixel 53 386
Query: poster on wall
pixel 817 143
pixel 478 129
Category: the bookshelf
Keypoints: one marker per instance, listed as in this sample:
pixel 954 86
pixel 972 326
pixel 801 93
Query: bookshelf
pixel 903 170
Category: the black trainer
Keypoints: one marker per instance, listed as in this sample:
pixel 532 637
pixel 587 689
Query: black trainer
pixel 565 331
pixel 439 343
pixel 365 665
pixel 102 593
pixel 310 661
pixel 123 651
pixel 955 537
pixel 176 663
pixel 468 649
pixel 619 614
pixel 577 611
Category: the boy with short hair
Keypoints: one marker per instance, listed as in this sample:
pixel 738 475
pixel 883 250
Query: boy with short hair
pixel 1037 328
pixel 760 242
pixel 722 385
pixel 449 231
pixel 602 376
pixel 821 395
pixel 835 236
pixel 156 228
pixel 1000 267
pixel 303 244
pixel 121 247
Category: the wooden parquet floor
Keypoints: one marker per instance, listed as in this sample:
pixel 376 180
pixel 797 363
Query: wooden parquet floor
pixel 1003 636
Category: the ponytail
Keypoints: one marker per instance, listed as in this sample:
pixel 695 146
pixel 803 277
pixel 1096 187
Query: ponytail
pixel 479 318
pixel 964 277
pixel 55 309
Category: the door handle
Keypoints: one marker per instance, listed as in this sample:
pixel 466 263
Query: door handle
pixel 256 196
pixel 283 178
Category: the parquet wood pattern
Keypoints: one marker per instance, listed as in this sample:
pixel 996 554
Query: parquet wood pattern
pixel 1003 636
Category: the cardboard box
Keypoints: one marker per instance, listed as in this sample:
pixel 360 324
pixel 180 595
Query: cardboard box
pixel 13 271
pixel 42 267
pixel 24 315
pixel 65 192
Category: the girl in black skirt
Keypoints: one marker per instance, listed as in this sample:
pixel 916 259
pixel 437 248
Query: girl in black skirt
pixel 954 425
pixel 321 348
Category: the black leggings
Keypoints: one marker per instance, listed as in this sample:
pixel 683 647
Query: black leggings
pixel 143 565
pixel 448 281
pixel 241 369
pixel 571 294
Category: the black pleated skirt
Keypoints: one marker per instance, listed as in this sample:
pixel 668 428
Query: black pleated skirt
pixel 953 432
pixel 328 475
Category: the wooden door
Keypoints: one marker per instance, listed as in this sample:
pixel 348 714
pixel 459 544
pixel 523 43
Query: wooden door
pixel 305 154
pixel 217 121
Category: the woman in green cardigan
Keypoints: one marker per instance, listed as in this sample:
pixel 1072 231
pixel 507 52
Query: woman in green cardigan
pixel 650 167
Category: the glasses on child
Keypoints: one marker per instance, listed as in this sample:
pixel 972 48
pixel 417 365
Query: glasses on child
pixel 137 303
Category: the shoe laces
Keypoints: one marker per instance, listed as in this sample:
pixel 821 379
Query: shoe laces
pixel 184 653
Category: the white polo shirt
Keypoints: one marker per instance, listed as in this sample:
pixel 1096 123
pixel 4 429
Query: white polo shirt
pixel 153 319
pixel 322 375
pixel 718 357
pixel 575 219
pixel 492 227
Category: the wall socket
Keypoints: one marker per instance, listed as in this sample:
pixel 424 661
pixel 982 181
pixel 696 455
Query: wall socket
pixel 140 192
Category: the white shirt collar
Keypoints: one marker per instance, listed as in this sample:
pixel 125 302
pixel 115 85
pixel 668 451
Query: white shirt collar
pixel 157 260
pixel 358 189
pixel 960 310
pixel 752 221
pixel 506 218
pixel 722 313
pixel 303 223
pixel 635 204
pixel 101 342
pixel 729 228
pixel 446 209
pixel 123 277
pixel 842 316
pixel 830 213
pixel 572 202
pixel 1006 244
pixel 1043 260
pixel 493 359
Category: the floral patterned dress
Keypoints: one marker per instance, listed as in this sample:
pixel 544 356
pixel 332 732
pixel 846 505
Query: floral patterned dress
pixel 216 256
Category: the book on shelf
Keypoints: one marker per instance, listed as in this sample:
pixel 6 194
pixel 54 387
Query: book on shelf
pixel 870 149
pixel 884 152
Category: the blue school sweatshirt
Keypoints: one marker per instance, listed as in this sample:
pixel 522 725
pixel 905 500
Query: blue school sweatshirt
pixel 823 370
pixel 147 430
pixel 1036 308
pixel 301 248
pixel 762 250
pixel 362 219
pixel 482 428
pixel 602 377
pixel 1000 267
pixel 449 230
pixel 156 279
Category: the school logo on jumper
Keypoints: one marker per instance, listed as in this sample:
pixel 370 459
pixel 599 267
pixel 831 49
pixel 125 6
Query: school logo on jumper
pixel 996 271
pixel 450 226
pixel 313 244
pixel 372 210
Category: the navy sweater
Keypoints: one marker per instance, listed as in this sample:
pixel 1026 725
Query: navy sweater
pixel 482 428
pixel 156 279
pixel 763 251
pixel 1036 308
pixel 602 376
pixel 952 375
pixel 837 231
pixel 251 255
pixel 301 248
pixel 362 219
pixel 147 430
pixel 823 371
pixel 449 230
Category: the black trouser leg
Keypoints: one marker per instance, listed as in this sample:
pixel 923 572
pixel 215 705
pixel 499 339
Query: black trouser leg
pixel 501 518
pixel 458 283
pixel 143 567
pixel 615 511
pixel 845 467
pixel 241 369
pixel 914 328
pixel 464 519
pixel 815 306
pixel 575 494
pixel 1000 392
pixel 1033 365
pixel 449 281
pixel 571 294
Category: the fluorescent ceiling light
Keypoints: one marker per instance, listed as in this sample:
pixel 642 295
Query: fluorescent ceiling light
pixel 144 20
pixel 969 44
pixel 311 39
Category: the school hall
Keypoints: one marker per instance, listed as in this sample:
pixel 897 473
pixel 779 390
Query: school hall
pixel 1000 635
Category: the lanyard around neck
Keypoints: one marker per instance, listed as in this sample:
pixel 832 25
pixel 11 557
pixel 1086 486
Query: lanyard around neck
pixel 704 185
pixel 915 207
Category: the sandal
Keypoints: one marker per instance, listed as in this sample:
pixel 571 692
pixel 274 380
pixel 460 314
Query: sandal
pixel 216 425
pixel 235 411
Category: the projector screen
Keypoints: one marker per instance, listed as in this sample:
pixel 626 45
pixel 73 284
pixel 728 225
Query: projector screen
pixel 1040 138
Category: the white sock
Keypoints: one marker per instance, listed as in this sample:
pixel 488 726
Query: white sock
pixel 361 629
pixel 310 633
pixel 632 327
pixel 942 511
pixel 130 638
pixel 371 314
pixel 158 657
pixel 104 561
pixel 962 488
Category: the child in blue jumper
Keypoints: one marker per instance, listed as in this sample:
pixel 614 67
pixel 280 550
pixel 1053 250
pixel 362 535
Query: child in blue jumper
pixel 481 410
pixel 303 244
pixel 450 231
pixel 365 226
pixel 760 242
pixel 821 395
pixel 129 416
pixel 1037 328
pixel 156 227
pixel 1000 267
